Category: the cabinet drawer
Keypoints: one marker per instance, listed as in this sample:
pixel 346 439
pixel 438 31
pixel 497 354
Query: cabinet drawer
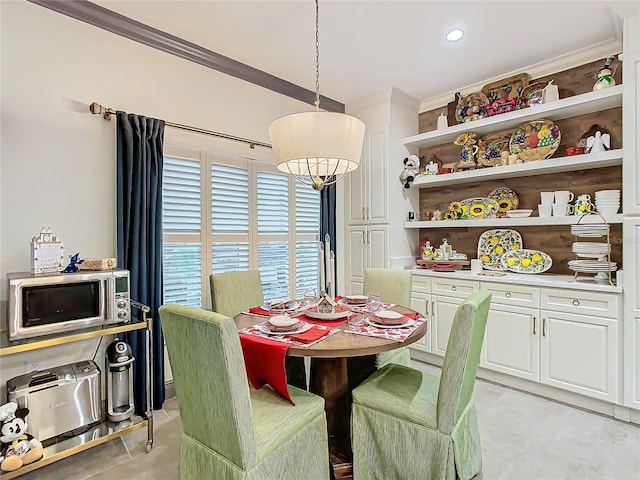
pixel 581 302
pixel 516 295
pixel 453 287
pixel 420 284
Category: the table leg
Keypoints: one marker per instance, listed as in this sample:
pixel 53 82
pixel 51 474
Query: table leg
pixel 329 380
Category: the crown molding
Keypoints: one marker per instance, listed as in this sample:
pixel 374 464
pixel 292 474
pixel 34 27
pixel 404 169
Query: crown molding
pixel 549 67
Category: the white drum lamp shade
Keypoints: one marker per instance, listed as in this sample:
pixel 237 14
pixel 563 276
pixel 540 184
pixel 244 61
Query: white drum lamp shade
pixel 315 146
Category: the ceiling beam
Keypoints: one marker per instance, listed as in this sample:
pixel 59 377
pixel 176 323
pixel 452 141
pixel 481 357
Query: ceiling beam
pixel 139 32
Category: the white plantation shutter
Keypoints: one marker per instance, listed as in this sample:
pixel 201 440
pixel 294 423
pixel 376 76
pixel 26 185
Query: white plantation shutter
pixel 273 263
pixel 273 203
pixel 181 225
pixel 229 218
pixel 307 224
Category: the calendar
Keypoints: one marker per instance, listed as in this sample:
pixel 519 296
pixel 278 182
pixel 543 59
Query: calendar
pixel 47 253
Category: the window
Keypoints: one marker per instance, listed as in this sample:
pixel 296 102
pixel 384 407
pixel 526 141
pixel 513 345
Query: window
pixel 239 215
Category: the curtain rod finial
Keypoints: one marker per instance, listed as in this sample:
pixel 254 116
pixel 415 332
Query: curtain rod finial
pixel 95 108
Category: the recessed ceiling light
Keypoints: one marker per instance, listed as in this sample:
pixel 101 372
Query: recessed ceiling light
pixel 455 35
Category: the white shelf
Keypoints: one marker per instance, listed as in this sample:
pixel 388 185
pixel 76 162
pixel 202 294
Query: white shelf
pixel 610 158
pixel 565 108
pixel 512 222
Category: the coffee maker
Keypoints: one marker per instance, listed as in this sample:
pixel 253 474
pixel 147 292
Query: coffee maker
pixel 119 373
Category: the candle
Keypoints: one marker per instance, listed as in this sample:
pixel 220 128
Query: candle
pixel 332 273
pixel 327 253
pixel 321 267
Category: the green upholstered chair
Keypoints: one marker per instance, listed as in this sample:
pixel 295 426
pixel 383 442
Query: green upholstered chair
pixel 235 292
pixel 394 286
pixel 230 430
pixel 408 425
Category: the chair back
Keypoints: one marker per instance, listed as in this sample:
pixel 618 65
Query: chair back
pixel 461 359
pixel 211 382
pixel 393 284
pixel 234 292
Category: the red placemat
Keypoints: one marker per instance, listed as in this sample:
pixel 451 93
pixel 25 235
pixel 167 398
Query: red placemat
pixel 264 362
pixel 259 311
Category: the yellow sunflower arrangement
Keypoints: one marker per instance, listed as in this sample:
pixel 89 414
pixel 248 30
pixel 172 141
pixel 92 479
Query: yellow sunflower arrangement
pixel 477 210
pixel 457 212
pixel 465 139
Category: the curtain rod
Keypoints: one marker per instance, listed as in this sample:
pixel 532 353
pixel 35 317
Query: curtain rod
pixel 95 108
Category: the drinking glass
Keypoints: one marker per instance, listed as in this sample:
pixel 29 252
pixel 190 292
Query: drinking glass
pixel 373 302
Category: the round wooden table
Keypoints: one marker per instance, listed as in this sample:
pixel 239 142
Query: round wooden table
pixel 329 374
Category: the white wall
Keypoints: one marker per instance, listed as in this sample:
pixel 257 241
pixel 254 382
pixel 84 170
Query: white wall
pixel 58 161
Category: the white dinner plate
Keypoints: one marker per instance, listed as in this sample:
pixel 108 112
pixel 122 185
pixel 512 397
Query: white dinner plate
pixel 287 305
pixel 348 304
pixel 264 328
pixel 373 323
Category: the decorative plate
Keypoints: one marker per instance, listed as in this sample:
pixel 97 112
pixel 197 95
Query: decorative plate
pixel 340 311
pixel 481 207
pixel 490 149
pixel 513 85
pixel 282 305
pixel 373 323
pixel 526 261
pixel 471 107
pixel 535 140
pixel 493 243
pixel 389 317
pixel 532 95
pixel 265 328
pixel 437 254
pixel 507 200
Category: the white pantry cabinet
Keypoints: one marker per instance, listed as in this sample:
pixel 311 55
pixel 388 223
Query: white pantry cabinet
pixel 631 257
pixel 421 303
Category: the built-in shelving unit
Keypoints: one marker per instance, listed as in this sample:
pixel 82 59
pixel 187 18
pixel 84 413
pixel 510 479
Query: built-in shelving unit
pixel 609 158
pixel 512 222
pixel 567 107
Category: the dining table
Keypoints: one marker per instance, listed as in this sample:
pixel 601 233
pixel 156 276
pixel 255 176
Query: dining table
pixel 329 375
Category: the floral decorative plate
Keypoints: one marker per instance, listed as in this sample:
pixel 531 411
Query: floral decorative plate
pixel 535 140
pixel 507 200
pixel 490 149
pixel 492 244
pixel 526 261
pixel 481 207
pixel 471 107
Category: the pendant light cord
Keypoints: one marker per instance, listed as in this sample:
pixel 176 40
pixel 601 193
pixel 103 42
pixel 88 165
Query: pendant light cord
pixel 317 102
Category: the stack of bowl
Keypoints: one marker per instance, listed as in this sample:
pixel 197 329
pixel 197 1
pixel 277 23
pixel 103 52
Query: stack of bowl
pixel 607 202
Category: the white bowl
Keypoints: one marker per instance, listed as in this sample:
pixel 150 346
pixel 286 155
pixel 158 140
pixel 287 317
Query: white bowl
pixel 519 213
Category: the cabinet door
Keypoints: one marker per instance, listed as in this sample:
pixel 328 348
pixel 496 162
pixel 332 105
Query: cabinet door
pixel 631 259
pixel 357 258
pixel 443 309
pixel 420 302
pixel 377 245
pixel 630 127
pixel 376 210
pixel 511 342
pixel 579 353
pixel 356 191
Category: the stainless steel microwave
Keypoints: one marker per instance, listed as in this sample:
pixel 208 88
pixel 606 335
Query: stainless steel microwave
pixel 45 304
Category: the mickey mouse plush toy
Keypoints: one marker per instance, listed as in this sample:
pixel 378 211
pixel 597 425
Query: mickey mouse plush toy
pixel 411 166
pixel 18 448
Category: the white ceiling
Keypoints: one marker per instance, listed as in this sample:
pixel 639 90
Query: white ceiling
pixel 368 46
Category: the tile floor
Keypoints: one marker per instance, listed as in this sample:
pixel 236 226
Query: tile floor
pixel 524 437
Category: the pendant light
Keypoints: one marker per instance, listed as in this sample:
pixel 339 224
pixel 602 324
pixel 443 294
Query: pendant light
pixel 317 148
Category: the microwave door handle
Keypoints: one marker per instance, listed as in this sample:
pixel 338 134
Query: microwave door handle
pixel 108 299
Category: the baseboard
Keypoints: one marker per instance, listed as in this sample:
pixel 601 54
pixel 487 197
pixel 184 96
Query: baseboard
pixel 169 389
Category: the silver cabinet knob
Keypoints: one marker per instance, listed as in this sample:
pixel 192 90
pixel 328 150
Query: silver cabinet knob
pixel 454 288
pixel 576 302
pixel 508 294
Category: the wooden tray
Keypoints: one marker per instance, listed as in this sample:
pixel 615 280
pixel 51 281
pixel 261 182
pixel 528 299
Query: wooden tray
pixel 429 263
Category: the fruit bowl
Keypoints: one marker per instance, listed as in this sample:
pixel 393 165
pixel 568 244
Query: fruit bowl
pixel 519 213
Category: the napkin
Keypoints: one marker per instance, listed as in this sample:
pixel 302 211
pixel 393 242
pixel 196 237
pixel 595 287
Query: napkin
pixel 311 335
pixel 412 316
pixel 264 362
pixel 259 311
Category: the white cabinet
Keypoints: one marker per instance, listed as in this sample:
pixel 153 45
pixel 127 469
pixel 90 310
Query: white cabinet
pixel 631 261
pixel 630 127
pixel 367 199
pixel 579 353
pixel 421 303
pixel 367 247
pixel 511 341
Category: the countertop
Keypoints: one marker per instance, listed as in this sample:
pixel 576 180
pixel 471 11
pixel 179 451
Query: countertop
pixel 538 280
